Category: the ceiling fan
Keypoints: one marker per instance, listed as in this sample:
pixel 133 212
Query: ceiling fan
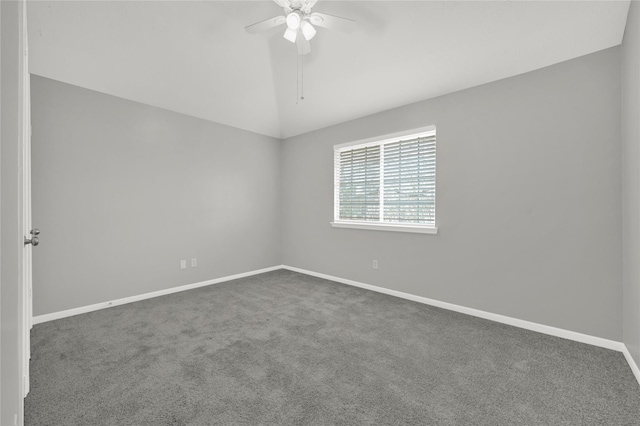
pixel 300 23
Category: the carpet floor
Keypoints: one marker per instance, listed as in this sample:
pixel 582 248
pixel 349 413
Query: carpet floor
pixel 284 348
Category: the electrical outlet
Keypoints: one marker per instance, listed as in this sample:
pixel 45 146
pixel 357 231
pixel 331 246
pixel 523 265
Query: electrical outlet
pixel 183 264
pixel 375 264
pixel 194 262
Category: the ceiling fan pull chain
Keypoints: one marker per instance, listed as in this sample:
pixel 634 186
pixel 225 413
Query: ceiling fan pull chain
pixel 299 78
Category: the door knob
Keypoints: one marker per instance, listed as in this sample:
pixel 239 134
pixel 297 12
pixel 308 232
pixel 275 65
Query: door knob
pixel 33 241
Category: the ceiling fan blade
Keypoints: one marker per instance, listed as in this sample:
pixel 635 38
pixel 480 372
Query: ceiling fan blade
pixel 265 25
pixel 308 4
pixel 332 22
pixel 286 4
pixel 303 45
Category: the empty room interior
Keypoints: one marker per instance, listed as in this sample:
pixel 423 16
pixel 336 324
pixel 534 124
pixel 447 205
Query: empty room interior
pixel 310 212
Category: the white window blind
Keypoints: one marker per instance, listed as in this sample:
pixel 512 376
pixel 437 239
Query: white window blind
pixel 359 187
pixel 391 181
pixel 410 181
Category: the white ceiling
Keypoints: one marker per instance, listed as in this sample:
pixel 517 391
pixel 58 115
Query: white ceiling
pixel 194 57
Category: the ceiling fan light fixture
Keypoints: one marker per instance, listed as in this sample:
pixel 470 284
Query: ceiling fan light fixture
pixel 307 30
pixel 294 20
pixel 290 35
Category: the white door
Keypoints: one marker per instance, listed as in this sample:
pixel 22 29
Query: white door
pixel 30 239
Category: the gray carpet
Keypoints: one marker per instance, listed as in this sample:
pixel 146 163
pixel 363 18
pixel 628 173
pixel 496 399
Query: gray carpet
pixel 286 348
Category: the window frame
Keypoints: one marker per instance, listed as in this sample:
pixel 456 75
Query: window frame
pixel 381 225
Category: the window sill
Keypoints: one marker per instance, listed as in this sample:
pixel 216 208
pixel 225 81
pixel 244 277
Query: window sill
pixel 387 227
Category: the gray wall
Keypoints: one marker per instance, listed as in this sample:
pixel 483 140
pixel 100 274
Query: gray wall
pixel 10 220
pixel 528 200
pixel 631 181
pixel 529 196
pixel 123 191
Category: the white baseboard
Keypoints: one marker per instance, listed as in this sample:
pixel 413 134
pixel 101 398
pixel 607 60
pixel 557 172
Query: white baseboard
pixel 553 331
pixel 103 305
pixel 632 363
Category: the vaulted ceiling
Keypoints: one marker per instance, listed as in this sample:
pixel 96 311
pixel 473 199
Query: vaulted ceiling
pixel 195 58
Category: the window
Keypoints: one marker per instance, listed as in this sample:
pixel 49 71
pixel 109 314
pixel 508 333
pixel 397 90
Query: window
pixel 388 183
